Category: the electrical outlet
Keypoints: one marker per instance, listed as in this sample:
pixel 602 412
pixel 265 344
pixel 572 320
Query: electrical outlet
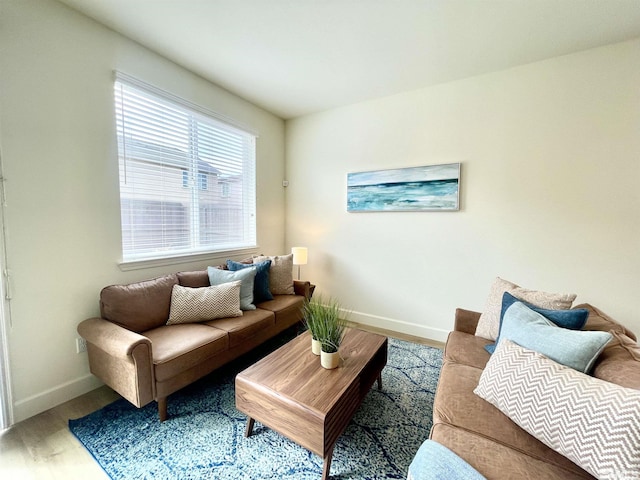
pixel 81 345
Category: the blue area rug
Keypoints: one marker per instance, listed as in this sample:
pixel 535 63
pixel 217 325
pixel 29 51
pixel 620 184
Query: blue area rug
pixel 204 435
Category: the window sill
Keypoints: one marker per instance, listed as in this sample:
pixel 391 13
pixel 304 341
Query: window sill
pixel 217 256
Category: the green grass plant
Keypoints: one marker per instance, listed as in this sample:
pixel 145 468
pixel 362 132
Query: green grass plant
pixel 322 317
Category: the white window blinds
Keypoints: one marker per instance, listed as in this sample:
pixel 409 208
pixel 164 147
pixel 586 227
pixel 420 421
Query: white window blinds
pixel 187 179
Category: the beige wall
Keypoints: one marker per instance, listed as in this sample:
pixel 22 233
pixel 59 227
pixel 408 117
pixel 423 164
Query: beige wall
pixel 58 143
pixel 550 197
pixel 550 157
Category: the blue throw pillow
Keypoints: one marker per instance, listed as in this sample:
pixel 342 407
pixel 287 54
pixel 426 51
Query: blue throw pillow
pixel 435 462
pixel 572 319
pixel 577 349
pixel 261 292
pixel 218 276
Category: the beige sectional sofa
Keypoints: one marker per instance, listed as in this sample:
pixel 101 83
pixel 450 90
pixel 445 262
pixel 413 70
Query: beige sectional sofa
pixel 133 350
pixel 486 438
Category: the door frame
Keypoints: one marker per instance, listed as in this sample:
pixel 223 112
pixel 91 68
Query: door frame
pixel 6 397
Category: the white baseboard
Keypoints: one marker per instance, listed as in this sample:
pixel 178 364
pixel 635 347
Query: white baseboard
pixel 399 326
pixel 30 406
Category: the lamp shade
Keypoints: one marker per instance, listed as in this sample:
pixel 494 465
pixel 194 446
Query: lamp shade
pixel 299 255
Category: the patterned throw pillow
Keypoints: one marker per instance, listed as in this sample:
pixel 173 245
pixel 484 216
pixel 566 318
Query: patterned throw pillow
pixel 489 323
pixel 280 273
pixel 190 305
pixel 595 424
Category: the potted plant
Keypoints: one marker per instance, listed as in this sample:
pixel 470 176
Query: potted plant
pixel 327 329
pixel 313 314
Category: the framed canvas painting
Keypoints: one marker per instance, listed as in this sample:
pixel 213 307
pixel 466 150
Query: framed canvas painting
pixel 427 188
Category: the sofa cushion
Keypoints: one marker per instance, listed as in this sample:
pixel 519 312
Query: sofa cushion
pixel 287 308
pixel 619 362
pixel 280 273
pixel 466 349
pixel 177 348
pixel 573 319
pixel 189 305
pixel 599 320
pixel 456 405
pixel 218 276
pixel 261 292
pixel 498 461
pixel 195 279
pixel 594 423
pixel 138 306
pixel 577 349
pixel 489 323
pixel 244 327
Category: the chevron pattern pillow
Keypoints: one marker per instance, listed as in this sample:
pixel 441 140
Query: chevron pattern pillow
pixel 596 424
pixel 190 305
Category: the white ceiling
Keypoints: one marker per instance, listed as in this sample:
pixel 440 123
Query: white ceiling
pixel 294 57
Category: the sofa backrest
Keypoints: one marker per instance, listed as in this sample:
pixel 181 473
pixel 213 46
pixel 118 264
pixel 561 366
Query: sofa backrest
pixel 196 279
pixel 619 362
pixel 138 306
pixel 599 320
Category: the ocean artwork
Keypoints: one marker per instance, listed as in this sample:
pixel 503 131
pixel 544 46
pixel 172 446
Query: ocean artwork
pixel 432 187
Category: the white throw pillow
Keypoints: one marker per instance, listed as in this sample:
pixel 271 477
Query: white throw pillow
pixel 190 305
pixel 595 424
pixel 489 323
pixel 280 273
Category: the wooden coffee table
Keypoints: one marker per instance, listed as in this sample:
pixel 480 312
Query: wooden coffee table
pixel 289 391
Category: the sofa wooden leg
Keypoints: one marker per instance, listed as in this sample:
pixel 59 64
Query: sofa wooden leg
pixel 162 408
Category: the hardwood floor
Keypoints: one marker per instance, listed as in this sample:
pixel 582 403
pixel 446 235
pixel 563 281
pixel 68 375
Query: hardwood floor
pixel 43 448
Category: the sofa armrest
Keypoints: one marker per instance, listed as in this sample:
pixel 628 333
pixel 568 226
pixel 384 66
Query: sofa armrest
pixel 120 358
pixel 303 288
pixel 111 338
pixel 466 321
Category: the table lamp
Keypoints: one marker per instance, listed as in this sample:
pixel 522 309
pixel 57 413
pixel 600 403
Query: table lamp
pixel 299 257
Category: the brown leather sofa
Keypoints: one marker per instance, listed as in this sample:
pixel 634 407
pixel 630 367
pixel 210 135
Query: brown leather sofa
pixel 486 438
pixel 133 351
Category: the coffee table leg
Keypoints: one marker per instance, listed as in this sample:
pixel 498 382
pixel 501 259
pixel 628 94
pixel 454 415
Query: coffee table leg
pixel 380 381
pixel 327 464
pixel 249 429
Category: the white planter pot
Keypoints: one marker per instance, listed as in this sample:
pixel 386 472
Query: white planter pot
pixel 316 346
pixel 329 360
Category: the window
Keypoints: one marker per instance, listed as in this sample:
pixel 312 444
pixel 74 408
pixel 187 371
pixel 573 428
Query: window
pixel 174 159
pixel 202 181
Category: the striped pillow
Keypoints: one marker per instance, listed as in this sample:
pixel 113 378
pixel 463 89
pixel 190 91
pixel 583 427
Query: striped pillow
pixel 595 424
pixel 190 305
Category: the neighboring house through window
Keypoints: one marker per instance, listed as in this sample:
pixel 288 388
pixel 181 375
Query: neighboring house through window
pixel 202 180
pixel 187 179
